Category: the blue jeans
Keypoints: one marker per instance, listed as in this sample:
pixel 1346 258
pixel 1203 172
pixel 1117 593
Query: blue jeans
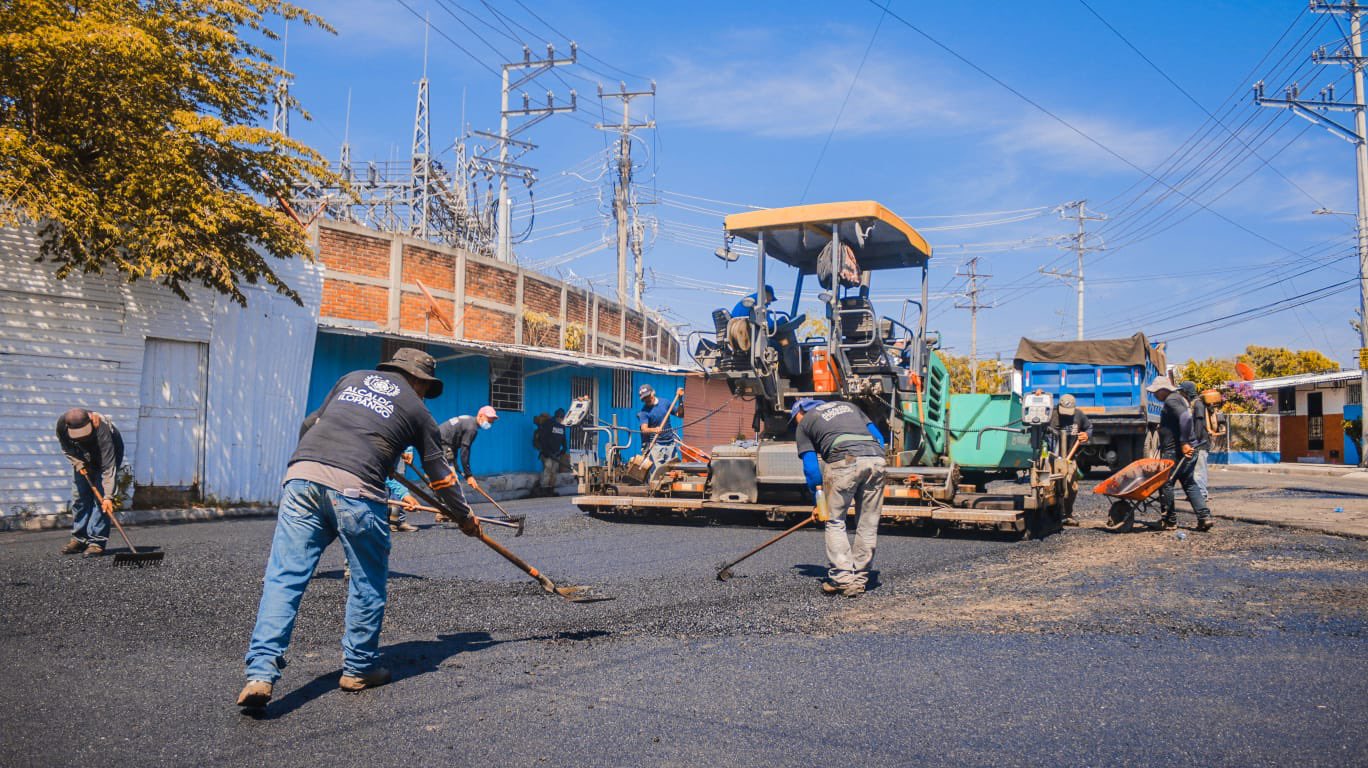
pixel 310 517
pixel 89 523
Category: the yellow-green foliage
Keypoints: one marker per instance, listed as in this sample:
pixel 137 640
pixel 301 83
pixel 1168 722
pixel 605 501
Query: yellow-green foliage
pixel 992 375
pixel 130 133
pixel 1211 373
pixel 1268 362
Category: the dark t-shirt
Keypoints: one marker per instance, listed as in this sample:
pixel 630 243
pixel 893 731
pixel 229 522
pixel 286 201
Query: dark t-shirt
pixel 1175 425
pixel 101 454
pixel 1199 421
pixel 835 430
pixel 551 438
pixel 458 435
pixel 1077 424
pixel 364 425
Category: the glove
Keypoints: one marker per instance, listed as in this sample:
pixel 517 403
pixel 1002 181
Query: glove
pixel 469 525
pixel 470 481
pixel 1187 449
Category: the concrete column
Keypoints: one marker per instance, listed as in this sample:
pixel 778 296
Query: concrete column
pixel 396 280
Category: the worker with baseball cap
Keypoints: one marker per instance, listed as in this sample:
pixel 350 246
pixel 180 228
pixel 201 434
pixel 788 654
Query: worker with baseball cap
pixel 458 436
pixel 656 431
pixel 843 459
pixel 335 489
pixel 1176 443
pixel 1069 426
pixel 93 445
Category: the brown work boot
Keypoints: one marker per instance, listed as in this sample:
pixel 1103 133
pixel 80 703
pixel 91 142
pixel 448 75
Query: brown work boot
pixel 74 546
pixel 254 694
pixel 94 550
pixel 854 589
pixel 372 679
pixel 831 588
pixel 1204 524
pixel 404 527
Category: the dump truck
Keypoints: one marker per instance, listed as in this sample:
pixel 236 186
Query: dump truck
pixel 942 449
pixel 1107 378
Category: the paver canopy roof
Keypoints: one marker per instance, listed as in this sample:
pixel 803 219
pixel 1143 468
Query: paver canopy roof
pixel 796 235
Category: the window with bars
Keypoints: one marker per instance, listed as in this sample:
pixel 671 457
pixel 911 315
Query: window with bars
pixel 623 396
pixel 506 383
pixel 1354 395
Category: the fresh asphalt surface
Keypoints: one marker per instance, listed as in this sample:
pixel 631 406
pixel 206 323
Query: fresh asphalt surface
pixel 109 666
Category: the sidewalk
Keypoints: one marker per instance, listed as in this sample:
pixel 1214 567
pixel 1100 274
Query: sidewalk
pixel 1299 496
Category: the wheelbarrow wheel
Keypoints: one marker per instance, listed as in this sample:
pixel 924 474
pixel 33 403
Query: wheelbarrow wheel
pixel 1121 516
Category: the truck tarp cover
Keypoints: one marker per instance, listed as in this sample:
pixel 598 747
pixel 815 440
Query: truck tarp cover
pixel 1132 351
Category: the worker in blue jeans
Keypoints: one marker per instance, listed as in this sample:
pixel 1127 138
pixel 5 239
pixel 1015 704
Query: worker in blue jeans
pixel 335 489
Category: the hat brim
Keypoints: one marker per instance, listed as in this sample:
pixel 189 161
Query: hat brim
pixel 1066 410
pixel 81 432
pixel 434 384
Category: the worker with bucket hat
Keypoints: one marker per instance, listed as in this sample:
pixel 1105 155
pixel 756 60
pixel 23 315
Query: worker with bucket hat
pixel 1178 444
pixel 335 488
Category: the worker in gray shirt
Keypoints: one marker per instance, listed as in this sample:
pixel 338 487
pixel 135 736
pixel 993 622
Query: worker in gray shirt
pixel 843 461
pixel 95 449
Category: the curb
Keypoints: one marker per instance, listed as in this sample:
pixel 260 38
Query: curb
pixel 1315 470
pixel 1307 527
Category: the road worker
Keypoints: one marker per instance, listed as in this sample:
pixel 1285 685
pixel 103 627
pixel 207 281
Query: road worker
pixel 458 436
pixel 843 461
pixel 95 449
pixel 335 488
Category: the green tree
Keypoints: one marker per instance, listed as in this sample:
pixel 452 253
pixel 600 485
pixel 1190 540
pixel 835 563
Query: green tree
pixel 1269 362
pixel 130 134
pixel 1210 373
pixel 993 376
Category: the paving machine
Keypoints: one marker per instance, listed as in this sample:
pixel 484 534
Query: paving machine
pixel 943 449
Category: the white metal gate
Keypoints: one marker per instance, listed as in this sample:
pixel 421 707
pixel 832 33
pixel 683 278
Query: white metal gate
pixel 170 440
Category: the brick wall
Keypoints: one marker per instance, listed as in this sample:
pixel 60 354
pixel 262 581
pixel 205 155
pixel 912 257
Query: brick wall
pixel 489 282
pixel 488 325
pixel 353 253
pixel 349 301
pixel 362 292
pixel 435 269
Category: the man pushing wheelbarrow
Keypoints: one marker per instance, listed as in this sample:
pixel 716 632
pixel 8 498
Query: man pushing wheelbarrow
pixel 1135 486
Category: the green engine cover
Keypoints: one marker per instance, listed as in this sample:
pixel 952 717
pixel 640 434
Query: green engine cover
pixel 969 414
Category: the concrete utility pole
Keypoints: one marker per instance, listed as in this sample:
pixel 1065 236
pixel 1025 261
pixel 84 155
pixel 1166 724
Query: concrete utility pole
pixel 1351 55
pixel 1079 243
pixel 503 166
pixel 972 303
pixel 629 236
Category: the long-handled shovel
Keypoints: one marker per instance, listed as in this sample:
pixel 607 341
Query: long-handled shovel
pixel 572 594
pixel 133 556
pixel 517 522
pixel 725 573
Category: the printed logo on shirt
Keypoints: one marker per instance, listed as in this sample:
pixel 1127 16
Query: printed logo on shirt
pixel 380 405
pixel 832 410
pixel 381 385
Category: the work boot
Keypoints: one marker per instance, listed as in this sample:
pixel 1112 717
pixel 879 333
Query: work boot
pixel 94 550
pixel 1204 524
pixel 1168 524
pixel 1069 520
pixel 854 589
pixel 74 546
pixel 372 679
pixel 403 527
pixel 254 694
pixel 831 588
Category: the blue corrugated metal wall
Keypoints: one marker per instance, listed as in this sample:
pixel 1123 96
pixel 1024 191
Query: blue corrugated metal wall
pixel 507 447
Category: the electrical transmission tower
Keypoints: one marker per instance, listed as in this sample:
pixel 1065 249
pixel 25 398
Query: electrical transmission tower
pixel 1078 242
pixel 629 237
pixel 1349 54
pixel 971 302
pixel 503 166
pixel 280 101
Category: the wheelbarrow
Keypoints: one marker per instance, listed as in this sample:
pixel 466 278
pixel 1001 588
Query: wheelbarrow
pixel 1135 488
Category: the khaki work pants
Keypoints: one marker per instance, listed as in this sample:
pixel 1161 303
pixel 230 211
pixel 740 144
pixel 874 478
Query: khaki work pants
pixel 550 469
pixel 857 481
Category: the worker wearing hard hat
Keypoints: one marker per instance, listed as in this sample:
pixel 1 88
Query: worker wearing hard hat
pixel 843 461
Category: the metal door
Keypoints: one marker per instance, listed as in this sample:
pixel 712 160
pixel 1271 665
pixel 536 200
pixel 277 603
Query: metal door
pixel 170 440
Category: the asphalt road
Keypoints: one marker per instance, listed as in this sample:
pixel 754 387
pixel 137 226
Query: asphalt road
pixel 1243 648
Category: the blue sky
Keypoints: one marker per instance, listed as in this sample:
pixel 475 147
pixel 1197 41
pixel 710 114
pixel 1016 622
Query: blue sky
pixel 747 95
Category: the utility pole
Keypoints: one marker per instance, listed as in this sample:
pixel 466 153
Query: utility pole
pixel 972 303
pixel 629 236
pixel 1350 54
pixel 280 113
pixel 527 70
pixel 1077 210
